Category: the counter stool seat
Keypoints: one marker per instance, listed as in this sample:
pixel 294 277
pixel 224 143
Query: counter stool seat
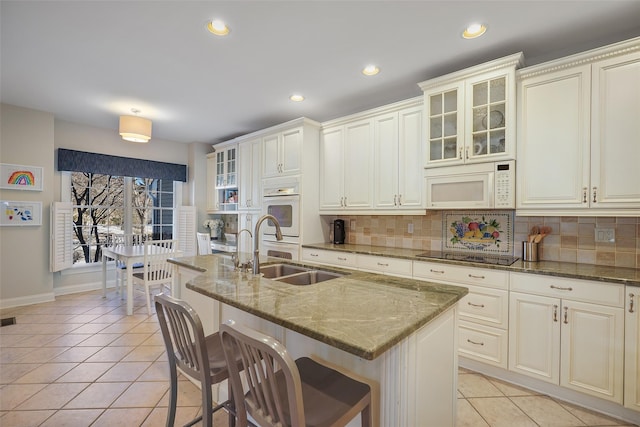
pixel 284 392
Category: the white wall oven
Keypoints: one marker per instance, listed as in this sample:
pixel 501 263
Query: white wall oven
pixel 281 198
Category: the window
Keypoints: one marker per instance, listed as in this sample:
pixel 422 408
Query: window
pixel 107 204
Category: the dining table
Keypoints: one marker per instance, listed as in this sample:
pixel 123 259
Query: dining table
pixel 130 255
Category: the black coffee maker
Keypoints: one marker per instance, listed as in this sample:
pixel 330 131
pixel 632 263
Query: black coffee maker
pixel 339 233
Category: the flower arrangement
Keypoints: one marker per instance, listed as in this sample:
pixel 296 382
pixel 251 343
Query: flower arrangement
pixel 213 224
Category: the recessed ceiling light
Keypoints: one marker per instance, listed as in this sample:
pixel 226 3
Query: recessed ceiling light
pixel 370 70
pixel 296 97
pixel 218 27
pixel 473 31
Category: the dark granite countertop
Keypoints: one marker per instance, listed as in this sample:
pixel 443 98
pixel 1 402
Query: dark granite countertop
pixel 362 313
pixel 603 273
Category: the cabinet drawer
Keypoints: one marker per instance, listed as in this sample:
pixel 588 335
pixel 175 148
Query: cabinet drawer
pixel 483 343
pixel 394 266
pixel 486 306
pixel 341 259
pixel 458 275
pixel 611 294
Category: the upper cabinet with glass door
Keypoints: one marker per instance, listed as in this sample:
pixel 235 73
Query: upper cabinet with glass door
pixel 471 114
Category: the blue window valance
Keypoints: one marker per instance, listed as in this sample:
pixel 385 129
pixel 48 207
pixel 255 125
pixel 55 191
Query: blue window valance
pixel 81 161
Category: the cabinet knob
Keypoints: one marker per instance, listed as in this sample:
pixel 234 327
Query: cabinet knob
pixel 595 192
pixel 631 303
pixel 395 200
pixel 566 314
pixel 555 312
pixel 475 277
pixel 399 199
pixel 475 305
pixel 474 343
pixel 584 194
pixel 466 153
pixel 460 154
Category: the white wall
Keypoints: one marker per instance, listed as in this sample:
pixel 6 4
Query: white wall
pixel 32 137
pixel 26 138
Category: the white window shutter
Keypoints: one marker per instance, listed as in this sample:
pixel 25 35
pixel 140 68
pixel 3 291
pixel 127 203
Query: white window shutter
pixel 186 230
pixel 61 244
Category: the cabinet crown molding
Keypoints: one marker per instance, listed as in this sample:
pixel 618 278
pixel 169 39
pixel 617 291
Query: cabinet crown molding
pixel 301 121
pixel 582 58
pixel 411 102
pixel 515 60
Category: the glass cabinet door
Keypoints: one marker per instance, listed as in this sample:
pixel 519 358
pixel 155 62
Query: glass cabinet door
pixel 231 167
pixel 443 126
pixel 489 118
pixel 220 169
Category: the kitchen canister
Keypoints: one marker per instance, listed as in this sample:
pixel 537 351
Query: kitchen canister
pixel 529 251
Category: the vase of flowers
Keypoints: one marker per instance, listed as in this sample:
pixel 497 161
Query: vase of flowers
pixel 214 226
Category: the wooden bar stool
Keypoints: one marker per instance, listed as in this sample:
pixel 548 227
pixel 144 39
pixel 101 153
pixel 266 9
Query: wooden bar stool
pixel 284 392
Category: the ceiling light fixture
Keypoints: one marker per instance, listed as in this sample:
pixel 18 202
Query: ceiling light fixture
pixel 296 98
pixel 218 27
pixel 135 128
pixel 370 70
pixel 473 31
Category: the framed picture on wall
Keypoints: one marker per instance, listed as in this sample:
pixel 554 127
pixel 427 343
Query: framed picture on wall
pixel 20 177
pixel 20 213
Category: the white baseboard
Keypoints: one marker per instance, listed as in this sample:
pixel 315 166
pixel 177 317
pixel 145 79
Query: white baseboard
pixel 84 287
pixel 27 300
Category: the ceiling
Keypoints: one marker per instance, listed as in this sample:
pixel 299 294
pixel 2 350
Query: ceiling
pixel 89 62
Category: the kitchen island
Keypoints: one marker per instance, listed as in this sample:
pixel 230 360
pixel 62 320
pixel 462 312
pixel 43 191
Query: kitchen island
pixel 397 334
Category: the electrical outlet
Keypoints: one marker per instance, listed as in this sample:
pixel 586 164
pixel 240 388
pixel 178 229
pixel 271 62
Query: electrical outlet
pixel 606 235
pixel 410 228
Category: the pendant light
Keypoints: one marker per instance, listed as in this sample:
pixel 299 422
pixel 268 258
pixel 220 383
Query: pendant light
pixel 135 128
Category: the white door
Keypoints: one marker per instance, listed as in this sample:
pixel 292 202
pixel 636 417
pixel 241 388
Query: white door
pixel 592 349
pixel 534 336
pixel 632 349
pixel 291 155
pixel 212 192
pixel 332 168
pixel 270 155
pixel 358 163
pixel 444 107
pixel 249 153
pixel 553 139
pixel 615 134
pixel 386 160
pixel 410 160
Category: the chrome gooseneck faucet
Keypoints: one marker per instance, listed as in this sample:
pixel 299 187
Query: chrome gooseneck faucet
pixel 236 256
pixel 256 240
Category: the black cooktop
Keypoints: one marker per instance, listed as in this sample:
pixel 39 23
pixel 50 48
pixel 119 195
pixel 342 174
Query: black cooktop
pixel 471 257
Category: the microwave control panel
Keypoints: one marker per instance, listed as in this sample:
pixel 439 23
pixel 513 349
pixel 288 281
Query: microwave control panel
pixel 505 185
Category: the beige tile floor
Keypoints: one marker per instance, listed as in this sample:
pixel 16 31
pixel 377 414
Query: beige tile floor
pixel 81 361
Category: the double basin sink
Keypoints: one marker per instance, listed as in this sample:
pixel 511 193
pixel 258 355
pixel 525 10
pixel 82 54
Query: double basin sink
pixel 296 274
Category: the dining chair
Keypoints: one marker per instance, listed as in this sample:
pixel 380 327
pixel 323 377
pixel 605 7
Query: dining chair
pixel 121 267
pixel 156 269
pixel 284 392
pixel 194 354
pixel 204 243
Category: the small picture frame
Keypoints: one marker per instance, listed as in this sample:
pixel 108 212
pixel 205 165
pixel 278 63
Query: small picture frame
pixel 20 177
pixel 20 213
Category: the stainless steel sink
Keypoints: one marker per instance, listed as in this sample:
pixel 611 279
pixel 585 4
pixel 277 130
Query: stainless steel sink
pixel 296 275
pixel 309 278
pixel 278 270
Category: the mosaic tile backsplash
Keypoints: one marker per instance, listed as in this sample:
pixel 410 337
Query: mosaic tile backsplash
pixel 572 238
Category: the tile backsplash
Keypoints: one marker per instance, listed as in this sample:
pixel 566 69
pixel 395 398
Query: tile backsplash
pixel 572 238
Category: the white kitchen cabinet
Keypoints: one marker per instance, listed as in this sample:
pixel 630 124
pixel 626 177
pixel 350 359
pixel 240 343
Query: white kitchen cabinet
pixel 577 120
pixel 346 167
pixel 632 349
pixel 335 258
pixel 222 179
pixel 384 265
pixel 568 332
pixel 470 114
pixel 398 159
pixel 484 314
pixel 282 153
pixel 249 182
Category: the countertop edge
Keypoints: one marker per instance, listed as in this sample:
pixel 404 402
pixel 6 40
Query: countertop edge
pixel 548 268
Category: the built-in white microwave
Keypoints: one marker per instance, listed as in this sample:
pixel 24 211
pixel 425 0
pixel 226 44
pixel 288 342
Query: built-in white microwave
pixel 472 186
